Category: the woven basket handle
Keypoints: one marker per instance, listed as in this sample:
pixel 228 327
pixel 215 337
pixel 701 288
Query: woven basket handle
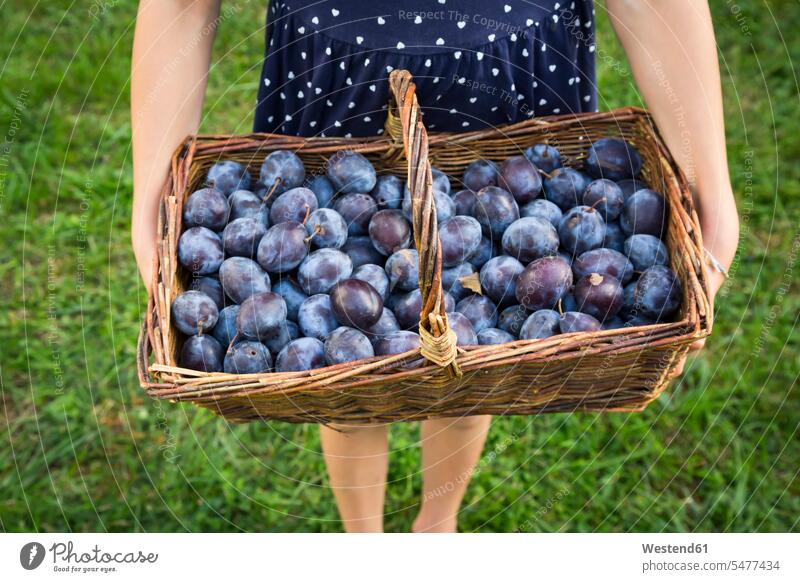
pixel 437 340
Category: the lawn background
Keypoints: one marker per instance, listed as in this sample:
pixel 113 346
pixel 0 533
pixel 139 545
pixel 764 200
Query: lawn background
pixel 81 448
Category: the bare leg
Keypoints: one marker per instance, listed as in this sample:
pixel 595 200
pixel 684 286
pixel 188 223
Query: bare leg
pixel 357 459
pixel 450 449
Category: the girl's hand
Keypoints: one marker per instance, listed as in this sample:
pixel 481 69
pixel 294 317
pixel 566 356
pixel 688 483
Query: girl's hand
pixel 673 56
pixel 144 249
pixel 715 281
pixel 720 240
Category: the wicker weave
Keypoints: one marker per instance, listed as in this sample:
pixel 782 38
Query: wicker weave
pixel 619 370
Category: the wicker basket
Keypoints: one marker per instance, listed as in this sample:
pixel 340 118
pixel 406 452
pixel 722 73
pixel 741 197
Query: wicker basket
pixel 614 370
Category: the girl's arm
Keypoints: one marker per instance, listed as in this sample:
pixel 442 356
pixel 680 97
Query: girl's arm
pixel 171 56
pixel 672 50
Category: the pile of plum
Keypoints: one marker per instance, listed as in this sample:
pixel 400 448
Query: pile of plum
pixel 296 271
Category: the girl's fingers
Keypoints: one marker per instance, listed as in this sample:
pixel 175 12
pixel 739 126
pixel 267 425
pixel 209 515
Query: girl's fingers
pixel 715 280
pixel 698 345
pixel 678 370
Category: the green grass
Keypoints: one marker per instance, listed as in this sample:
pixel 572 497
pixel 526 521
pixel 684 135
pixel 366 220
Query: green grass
pixel 83 450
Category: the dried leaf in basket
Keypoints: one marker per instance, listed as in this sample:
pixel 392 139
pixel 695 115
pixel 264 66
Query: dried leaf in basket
pixel 471 282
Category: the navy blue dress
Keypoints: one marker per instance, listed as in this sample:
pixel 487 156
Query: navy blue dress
pixel 476 63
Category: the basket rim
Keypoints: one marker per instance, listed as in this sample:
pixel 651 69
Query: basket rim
pixel 379 143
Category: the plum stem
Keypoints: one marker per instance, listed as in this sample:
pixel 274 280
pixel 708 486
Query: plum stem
pixel 308 213
pixel 275 184
pixel 317 230
pixel 598 201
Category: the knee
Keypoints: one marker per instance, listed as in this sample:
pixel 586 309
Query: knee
pixel 470 423
pixel 351 429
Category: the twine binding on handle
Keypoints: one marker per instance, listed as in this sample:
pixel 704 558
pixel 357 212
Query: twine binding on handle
pixel 441 350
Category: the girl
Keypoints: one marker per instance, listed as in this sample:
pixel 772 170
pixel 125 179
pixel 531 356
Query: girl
pixel 476 64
